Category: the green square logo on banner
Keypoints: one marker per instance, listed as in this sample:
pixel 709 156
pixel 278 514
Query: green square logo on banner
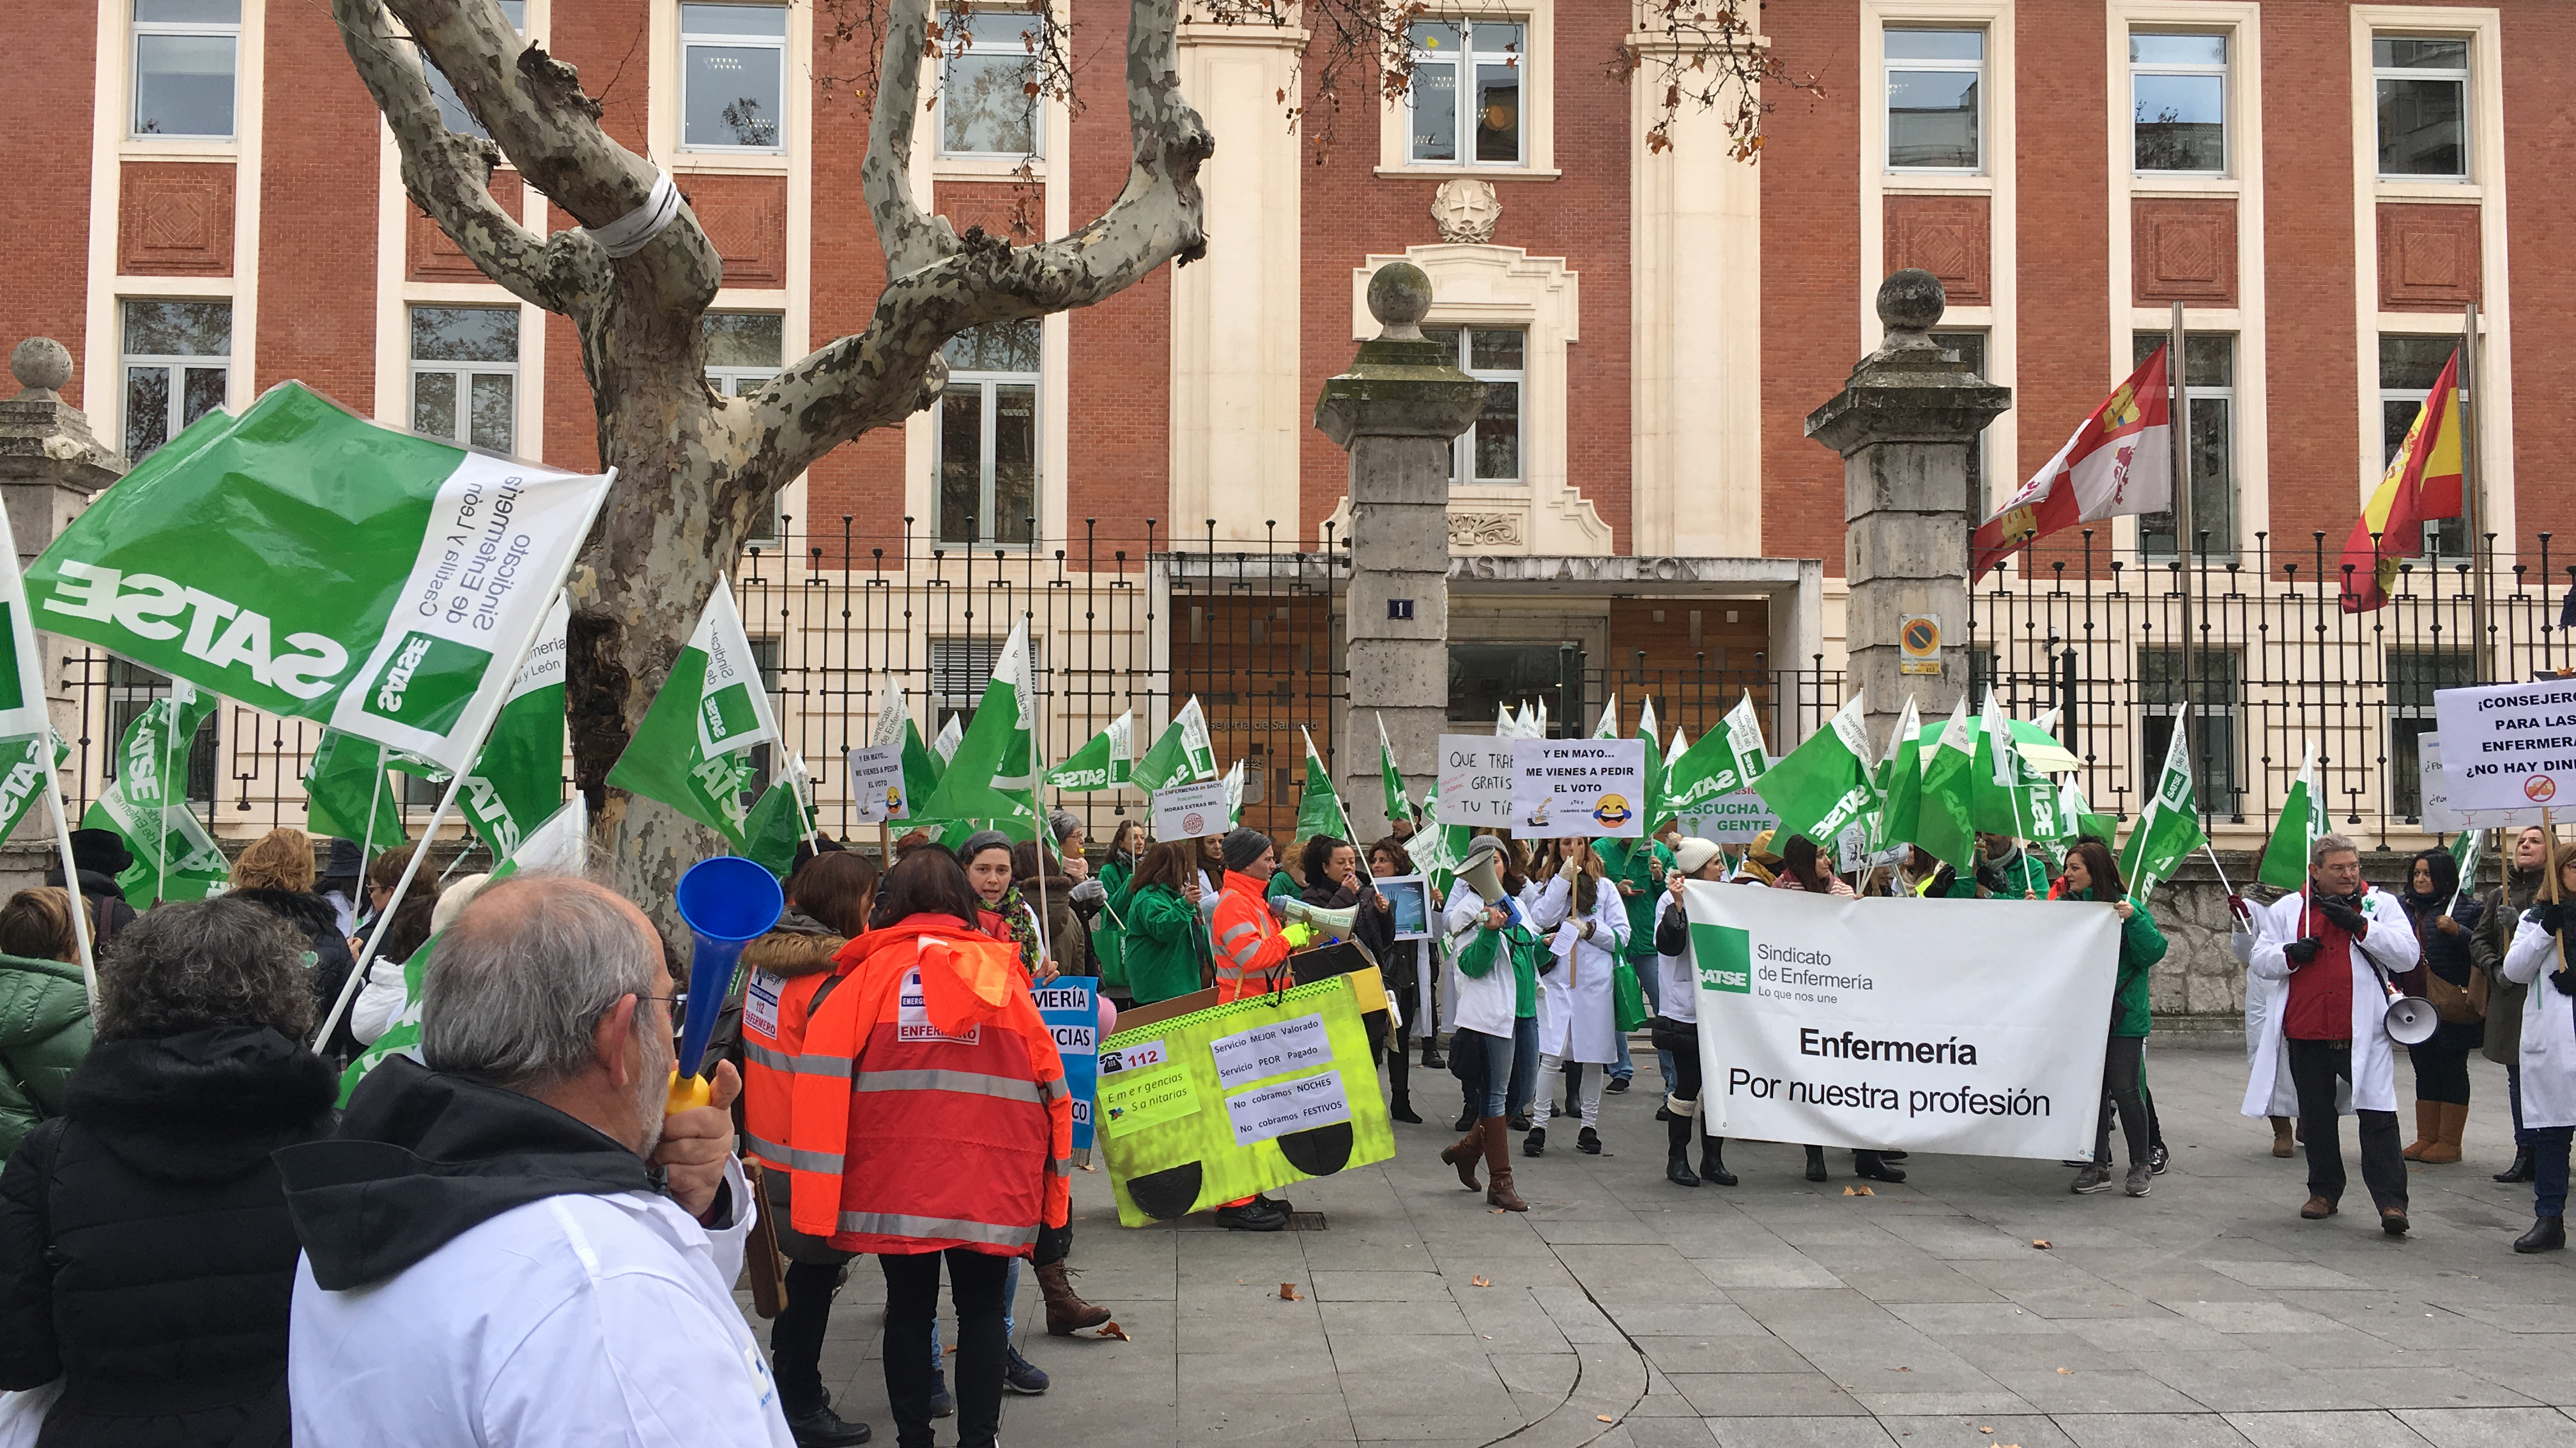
pixel 1725 957
pixel 429 682
pixel 730 713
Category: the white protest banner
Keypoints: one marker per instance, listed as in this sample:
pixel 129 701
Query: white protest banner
pixel 1874 1023
pixel 2508 746
pixel 1188 811
pixel 1733 818
pixel 1595 788
pixel 876 784
pixel 2434 789
pixel 1476 780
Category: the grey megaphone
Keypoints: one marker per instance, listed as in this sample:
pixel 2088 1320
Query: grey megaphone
pixel 1483 874
pixel 2411 1020
pixel 1336 922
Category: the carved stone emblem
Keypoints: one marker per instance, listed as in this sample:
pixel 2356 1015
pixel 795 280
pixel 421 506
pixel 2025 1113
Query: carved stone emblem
pixel 1465 210
pixel 1484 530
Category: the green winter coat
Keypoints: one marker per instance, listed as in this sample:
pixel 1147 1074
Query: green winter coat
pixel 44 1033
pixel 2022 873
pixel 1108 941
pixel 1167 944
pixel 2141 946
pixel 1638 872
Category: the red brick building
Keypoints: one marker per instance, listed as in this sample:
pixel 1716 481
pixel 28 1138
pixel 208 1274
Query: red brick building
pixel 206 203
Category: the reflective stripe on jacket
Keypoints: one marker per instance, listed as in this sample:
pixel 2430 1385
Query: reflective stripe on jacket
pixel 930 1105
pixel 1249 948
pixel 780 994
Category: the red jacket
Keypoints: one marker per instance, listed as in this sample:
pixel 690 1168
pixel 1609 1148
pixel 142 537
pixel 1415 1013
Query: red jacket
pixel 1251 954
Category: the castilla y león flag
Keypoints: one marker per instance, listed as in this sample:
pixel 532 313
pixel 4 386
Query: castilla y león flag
pixel 2119 461
pixel 2422 483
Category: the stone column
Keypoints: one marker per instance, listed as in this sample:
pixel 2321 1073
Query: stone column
pixel 1905 424
pixel 1397 410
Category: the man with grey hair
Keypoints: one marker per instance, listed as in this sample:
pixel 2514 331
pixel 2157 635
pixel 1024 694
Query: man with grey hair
pixel 513 1244
pixel 2334 944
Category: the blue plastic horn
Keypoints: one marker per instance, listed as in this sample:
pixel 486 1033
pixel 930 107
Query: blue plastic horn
pixel 727 902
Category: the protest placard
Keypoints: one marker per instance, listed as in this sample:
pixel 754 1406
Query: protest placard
pixel 2508 746
pixel 1187 811
pixel 876 784
pixel 1476 780
pixel 1595 788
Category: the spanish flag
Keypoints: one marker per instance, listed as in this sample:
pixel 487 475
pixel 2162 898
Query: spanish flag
pixel 2422 483
pixel 2119 461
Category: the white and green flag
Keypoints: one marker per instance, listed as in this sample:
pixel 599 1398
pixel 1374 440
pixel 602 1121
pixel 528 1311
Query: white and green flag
pixel 1944 823
pixel 921 768
pixel 518 778
pixel 1825 784
pixel 25 732
pixel 1996 799
pixel 1104 763
pixel 559 842
pixel 1319 808
pixel 693 749
pixel 2302 819
pixel 22 775
pixel 2168 828
pixel 176 861
pixel 151 782
pixel 1391 779
pixel 347 795
pixel 1234 795
pixel 945 746
pixel 1608 727
pixel 1900 781
pixel 1182 754
pixel 308 562
pixel 2468 851
pixel 1724 760
pixel 990 781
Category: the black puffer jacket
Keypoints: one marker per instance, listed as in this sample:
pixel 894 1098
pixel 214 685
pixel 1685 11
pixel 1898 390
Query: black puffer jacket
pixel 312 917
pixel 145 1252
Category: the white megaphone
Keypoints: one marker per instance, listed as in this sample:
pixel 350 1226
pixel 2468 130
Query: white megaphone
pixel 1483 874
pixel 2411 1020
pixel 1333 922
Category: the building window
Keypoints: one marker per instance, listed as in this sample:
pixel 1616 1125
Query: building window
pixel 2423 93
pixel 2178 91
pixel 733 77
pixel 2413 675
pixel 959 670
pixel 2408 368
pixel 1971 350
pixel 1489 452
pixel 131 689
pixel 2217 685
pixel 465 375
pixel 185 53
pixel 766 657
pixel 988 104
pixel 1483 677
pixel 745 350
pixel 1467 82
pixel 2209 367
pixel 178 357
pixel 451 107
pixel 1936 100
pixel 988 436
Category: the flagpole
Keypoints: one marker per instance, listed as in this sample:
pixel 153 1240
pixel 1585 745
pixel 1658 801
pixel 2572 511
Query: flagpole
pixel 456 780
pixel 71 874
pixel 2178 431
pixel 2465 418
pixel 160 816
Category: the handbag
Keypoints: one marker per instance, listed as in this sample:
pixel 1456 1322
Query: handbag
pixel 1628 999
pixel 2460 1005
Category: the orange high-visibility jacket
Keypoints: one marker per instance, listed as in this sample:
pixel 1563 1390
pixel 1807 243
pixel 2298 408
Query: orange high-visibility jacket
pixel 930 1105
pixel 1250 951
pixel 789 975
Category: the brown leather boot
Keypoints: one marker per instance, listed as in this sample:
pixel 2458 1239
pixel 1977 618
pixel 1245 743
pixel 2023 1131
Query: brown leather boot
pixel 2281 1136
pixel 1065 1312
pixel 1498 1167
pixel 2428 1129
pixel 2444 1149
pixel 1463 1156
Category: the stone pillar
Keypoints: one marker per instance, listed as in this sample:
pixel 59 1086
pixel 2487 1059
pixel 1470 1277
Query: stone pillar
pixel 1396 411
pixel 1905 424
pixel 50 466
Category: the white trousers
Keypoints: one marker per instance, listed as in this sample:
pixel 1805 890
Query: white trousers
pixel 1587 1093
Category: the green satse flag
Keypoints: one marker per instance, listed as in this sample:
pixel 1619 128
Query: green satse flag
pixel 2285 855
pixel 921 768
pixel 778 822
pixel 1391 779
pixel 1104 763
pixel 1942 825
pixel 693 749
pixel 1823 785
pixel 1994 801
pixel 559 842
pixel 2079 812
pixel 22 774
pixel 1655 804
pixel 1319 809
pixel 1608 728
pixel 1181 754
pixel 1724 760
pixel 313 564
pixel 944 748
pixel 1234 794
pixel 2168 827
pixel 152 762
pixel 2468 851
pixel 179 861
pixel 347 795
pixel 989 783
pixel 1900 810
pixel 24 728
pixel 518 778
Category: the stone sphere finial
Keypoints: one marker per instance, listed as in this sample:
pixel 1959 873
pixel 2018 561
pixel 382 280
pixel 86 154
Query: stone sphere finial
pixel 1911 301
pixel 1399 296
pixel 41 363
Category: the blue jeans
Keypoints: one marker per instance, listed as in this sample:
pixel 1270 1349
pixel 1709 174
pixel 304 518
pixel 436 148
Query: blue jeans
pixel 1524 1065
pixel 2549 1169
pixel 1492 1078
pixel 2513 1091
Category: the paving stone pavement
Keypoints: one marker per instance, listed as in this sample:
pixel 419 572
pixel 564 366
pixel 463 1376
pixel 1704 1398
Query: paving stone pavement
pixel 1626 1312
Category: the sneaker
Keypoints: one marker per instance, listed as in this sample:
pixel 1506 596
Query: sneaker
pixel 2158 1158
pixel 1588 1142
pixel 2142 1180
pixel 1020 1375
pixel 1535 1144
pixel 2092 1179
pixel 1617 1084
pixel 1253 1216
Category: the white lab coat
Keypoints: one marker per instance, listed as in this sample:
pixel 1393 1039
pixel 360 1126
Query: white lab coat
pixel 2263 1000
pixel 1675 977
pixel 1547 902
pixel 1485 1005
pixel 597 1320
pixel 2548 1029
pixel 2391 942
pixel 1577 1017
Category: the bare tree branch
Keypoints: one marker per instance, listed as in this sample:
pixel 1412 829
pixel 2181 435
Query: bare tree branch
pixel 910 238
